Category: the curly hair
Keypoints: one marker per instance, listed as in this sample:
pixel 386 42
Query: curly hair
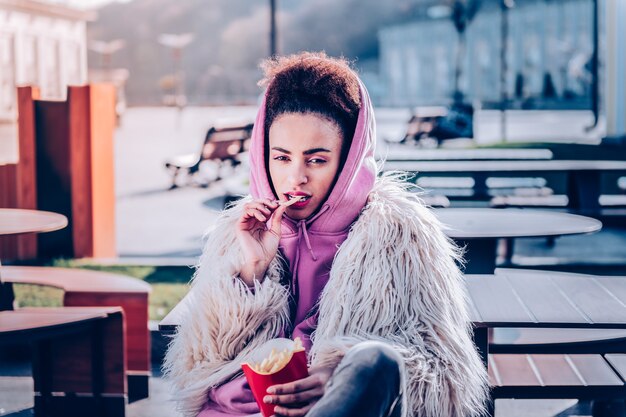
pixel 312 82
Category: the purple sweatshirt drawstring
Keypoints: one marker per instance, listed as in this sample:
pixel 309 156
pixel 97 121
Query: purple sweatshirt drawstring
pixel 302 232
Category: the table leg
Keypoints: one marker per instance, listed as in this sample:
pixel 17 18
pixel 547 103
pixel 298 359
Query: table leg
pixel 42 375
pixel 481 340
pixel 480 255
pixel 7 297
pixel 87 366
pixel 481 191
pixel 583 191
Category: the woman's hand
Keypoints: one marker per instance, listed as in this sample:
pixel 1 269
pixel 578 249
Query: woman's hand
pixel 298 397
pixel 258 242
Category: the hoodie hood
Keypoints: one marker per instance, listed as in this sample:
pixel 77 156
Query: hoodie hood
pixel 310 245
pixel 355 181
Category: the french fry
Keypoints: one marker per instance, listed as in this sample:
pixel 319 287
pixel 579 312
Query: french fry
pixel 277 360
pixel 290 202
pixel 297 345
pixel 280 361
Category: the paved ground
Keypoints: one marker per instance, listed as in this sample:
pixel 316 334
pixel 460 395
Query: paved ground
pixel 153 222
pixel 167 226
pixel 16 401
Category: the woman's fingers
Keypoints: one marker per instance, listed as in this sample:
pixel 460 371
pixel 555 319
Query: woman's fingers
pixel 296 398
pixel 260 207
pixel 265 207
pixel 302 390
pixel 253 212
pixel 262 210
pixel 303 384
pixel 276 220
pixel 293 412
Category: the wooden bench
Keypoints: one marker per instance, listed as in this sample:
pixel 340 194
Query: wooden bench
pixel 77 355
pixel 435 201
pixel 580 376
pixel 94 288
pixel 583 377
pixel 221 145
pixel 537 201
pixel 462 188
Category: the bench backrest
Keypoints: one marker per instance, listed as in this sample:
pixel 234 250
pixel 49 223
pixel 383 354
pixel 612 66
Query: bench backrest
pixel 226 143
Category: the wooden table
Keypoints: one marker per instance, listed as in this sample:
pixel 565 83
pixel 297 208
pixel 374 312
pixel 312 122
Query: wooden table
pixel 545 300
pixel 395 153
pixel 479 229
pixel 584 177
pixel 19 221
pixel 78 352
pixel 545 340
pixel 532 300
pixel 22 221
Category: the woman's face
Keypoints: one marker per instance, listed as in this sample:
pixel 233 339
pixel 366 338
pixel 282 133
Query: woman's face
pixel 304 158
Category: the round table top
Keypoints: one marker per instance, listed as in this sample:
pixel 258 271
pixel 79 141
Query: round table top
pixel 486 223
pixel 17 221
pixel 469 166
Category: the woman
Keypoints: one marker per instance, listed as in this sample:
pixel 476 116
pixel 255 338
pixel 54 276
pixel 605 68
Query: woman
pixel 358 269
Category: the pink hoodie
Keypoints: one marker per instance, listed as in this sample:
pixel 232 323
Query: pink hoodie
pixel 308 245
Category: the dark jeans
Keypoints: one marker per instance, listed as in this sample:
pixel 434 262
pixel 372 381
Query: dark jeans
pixel 366 383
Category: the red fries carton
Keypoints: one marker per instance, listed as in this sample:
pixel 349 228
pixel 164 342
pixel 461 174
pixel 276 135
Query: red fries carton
pixel 278 361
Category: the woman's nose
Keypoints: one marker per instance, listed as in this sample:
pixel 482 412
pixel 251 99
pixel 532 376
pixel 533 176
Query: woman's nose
pixel 298 175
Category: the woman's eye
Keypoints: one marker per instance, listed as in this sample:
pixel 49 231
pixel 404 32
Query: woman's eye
pixel 317 161
pixel 281 158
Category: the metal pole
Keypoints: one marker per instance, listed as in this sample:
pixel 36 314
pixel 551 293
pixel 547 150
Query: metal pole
pixel 273 50
pixel 595 82
pixel 504 35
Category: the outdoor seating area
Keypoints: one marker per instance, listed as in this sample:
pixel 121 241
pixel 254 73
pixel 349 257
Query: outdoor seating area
pixel 78 358
pixel 432 210
pixel 223 146
pixel 512 302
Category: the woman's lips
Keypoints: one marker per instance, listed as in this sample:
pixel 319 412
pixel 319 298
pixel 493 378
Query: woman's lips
pixel 304 200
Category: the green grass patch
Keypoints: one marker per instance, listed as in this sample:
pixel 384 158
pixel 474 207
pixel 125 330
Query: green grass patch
pixel 28 295
pixel 169 285
pixel 164 297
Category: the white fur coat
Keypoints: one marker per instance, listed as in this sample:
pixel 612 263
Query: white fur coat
pixel 393 279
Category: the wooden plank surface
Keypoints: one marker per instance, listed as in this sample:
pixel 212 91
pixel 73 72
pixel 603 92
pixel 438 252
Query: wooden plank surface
pixel 512 370
pixel 102 131
pixel 74 280
pixel 551 371
pixel 555 370
pixel 495 301
pixel 618 361
pixel 615 285
pixel 594 370
pixel 546 336
pixel 16 221
pixel 545 299
pixel 17 320
pixel 592 299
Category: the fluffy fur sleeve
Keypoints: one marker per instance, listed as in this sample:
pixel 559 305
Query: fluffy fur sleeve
pixel 395 279
pixel 225 320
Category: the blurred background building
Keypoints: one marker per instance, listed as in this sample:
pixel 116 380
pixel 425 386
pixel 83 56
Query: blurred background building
pixel 405 50
pixel 41 44
pixel 550 45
